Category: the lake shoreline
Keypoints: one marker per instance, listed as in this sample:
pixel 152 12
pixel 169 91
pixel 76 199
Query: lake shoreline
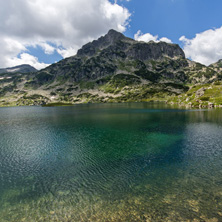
pixel 170 103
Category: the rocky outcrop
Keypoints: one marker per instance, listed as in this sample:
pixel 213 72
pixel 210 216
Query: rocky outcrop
pixel 200 92
pixel 154 51
pixel 91 48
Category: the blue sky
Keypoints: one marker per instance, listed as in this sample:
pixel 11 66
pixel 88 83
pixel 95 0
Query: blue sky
pixel 174 18
pixel 40 32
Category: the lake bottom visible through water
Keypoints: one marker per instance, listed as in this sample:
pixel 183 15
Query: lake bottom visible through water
pixel 110 162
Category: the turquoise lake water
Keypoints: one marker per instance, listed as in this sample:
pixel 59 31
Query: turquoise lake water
pixel 110 162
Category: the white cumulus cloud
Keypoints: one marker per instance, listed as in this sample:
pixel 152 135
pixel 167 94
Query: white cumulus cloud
pixel 26 58
pixel 165 39
pixel 61 26
pixel 205 47
pixel 139 36
pixel 48 49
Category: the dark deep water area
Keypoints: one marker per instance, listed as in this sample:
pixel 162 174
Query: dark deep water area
pixel 110 162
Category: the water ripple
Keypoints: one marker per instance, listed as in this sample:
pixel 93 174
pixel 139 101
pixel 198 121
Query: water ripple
pixel 110 162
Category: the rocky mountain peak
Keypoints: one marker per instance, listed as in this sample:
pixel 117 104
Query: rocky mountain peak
pixel 110 38
pixel 134 49
pixel 113 36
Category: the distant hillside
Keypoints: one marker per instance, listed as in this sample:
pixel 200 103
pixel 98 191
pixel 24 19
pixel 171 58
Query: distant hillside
pixel 113 68
pixel 18 69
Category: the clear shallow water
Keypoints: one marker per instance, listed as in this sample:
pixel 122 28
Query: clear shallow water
pixel 110 162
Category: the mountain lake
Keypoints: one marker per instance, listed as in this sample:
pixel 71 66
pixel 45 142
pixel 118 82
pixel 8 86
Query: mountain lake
pixel 110 162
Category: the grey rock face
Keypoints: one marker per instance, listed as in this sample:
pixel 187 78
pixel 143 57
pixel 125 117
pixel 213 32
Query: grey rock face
pixel 134 49
pixel 102 57
pixel 200 92
pixel 154 51
pixel 90 48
